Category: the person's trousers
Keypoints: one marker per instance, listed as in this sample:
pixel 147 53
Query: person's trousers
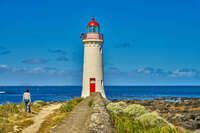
pixel 27 104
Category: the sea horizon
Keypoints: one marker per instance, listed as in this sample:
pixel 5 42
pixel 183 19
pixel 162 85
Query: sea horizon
pixel 64 93
pixel 81 85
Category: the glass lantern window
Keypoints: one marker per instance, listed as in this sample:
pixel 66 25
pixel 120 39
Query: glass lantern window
pixel 93 29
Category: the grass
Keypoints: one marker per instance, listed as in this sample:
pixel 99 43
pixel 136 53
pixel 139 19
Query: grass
pixel 2 129
pixel 124 124
pixel 23 124
pixel 52 120
pixel 69 105
pixel 55 118
pixel 13 118
pixel 90 103
pixel 148 122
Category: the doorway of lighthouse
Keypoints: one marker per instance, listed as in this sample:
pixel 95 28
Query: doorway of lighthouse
pixel 92 85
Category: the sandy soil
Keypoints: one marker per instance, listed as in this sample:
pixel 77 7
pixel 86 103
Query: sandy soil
pixel 40 117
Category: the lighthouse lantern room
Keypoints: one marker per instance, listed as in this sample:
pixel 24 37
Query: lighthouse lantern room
pixel 93 80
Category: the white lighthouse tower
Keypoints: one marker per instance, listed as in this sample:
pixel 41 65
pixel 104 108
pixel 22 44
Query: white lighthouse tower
pixel 93 63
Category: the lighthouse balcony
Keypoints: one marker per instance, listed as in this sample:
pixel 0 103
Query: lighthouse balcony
pixel 93 36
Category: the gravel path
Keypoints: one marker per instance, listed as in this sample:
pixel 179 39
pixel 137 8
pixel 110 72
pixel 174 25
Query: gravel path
pixel 77 121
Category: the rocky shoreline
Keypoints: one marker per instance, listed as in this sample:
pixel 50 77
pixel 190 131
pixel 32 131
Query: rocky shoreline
pixel 183 112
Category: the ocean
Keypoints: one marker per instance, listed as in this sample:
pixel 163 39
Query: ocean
pixel 62 93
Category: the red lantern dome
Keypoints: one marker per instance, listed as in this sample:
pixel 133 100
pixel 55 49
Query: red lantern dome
pixel 93 23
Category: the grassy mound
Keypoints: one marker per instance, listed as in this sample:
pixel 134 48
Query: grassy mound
pixel 13 115
pixel 136 119
pixel 152 120
pixel 8 108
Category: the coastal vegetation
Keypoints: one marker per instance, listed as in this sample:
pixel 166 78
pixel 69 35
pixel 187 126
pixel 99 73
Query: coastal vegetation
pixel 52 120
pixel 135 118
pixel 126 116
pixel 13 117
pixel 69 105
pixel 90 102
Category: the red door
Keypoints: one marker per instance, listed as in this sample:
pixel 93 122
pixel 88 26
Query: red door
pixel 92 85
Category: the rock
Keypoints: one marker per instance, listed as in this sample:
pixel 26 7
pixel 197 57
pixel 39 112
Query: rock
pixel 100 119
pixel 183 99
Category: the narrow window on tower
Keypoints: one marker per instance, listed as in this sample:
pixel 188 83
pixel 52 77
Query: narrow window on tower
pixel 101 82
pixel 100 50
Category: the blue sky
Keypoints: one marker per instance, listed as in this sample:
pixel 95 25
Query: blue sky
pixel 146 42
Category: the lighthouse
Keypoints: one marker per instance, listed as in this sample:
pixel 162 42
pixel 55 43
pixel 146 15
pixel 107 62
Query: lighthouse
pixel 93 79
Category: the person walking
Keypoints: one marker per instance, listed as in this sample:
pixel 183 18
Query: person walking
pixel 27 100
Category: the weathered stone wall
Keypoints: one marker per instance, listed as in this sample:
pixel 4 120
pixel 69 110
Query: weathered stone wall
pixel 100 119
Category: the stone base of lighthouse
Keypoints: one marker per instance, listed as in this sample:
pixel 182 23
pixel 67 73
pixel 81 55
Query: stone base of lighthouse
pixel 93 68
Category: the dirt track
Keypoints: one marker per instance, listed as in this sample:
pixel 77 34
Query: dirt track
pixel 38 119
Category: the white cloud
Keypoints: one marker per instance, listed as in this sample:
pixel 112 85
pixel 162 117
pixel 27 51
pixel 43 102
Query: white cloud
pixel 151 71
pixel 185 73
pixel 3 66
pixel 34 61
pixel 178 73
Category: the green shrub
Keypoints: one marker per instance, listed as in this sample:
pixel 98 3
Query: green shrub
pixel 152 120
pixel 116 108
pixel 72 102
pixel 90 103
pixel 69 105
pixel 66 107
pixel 78 100
pixel 135 110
